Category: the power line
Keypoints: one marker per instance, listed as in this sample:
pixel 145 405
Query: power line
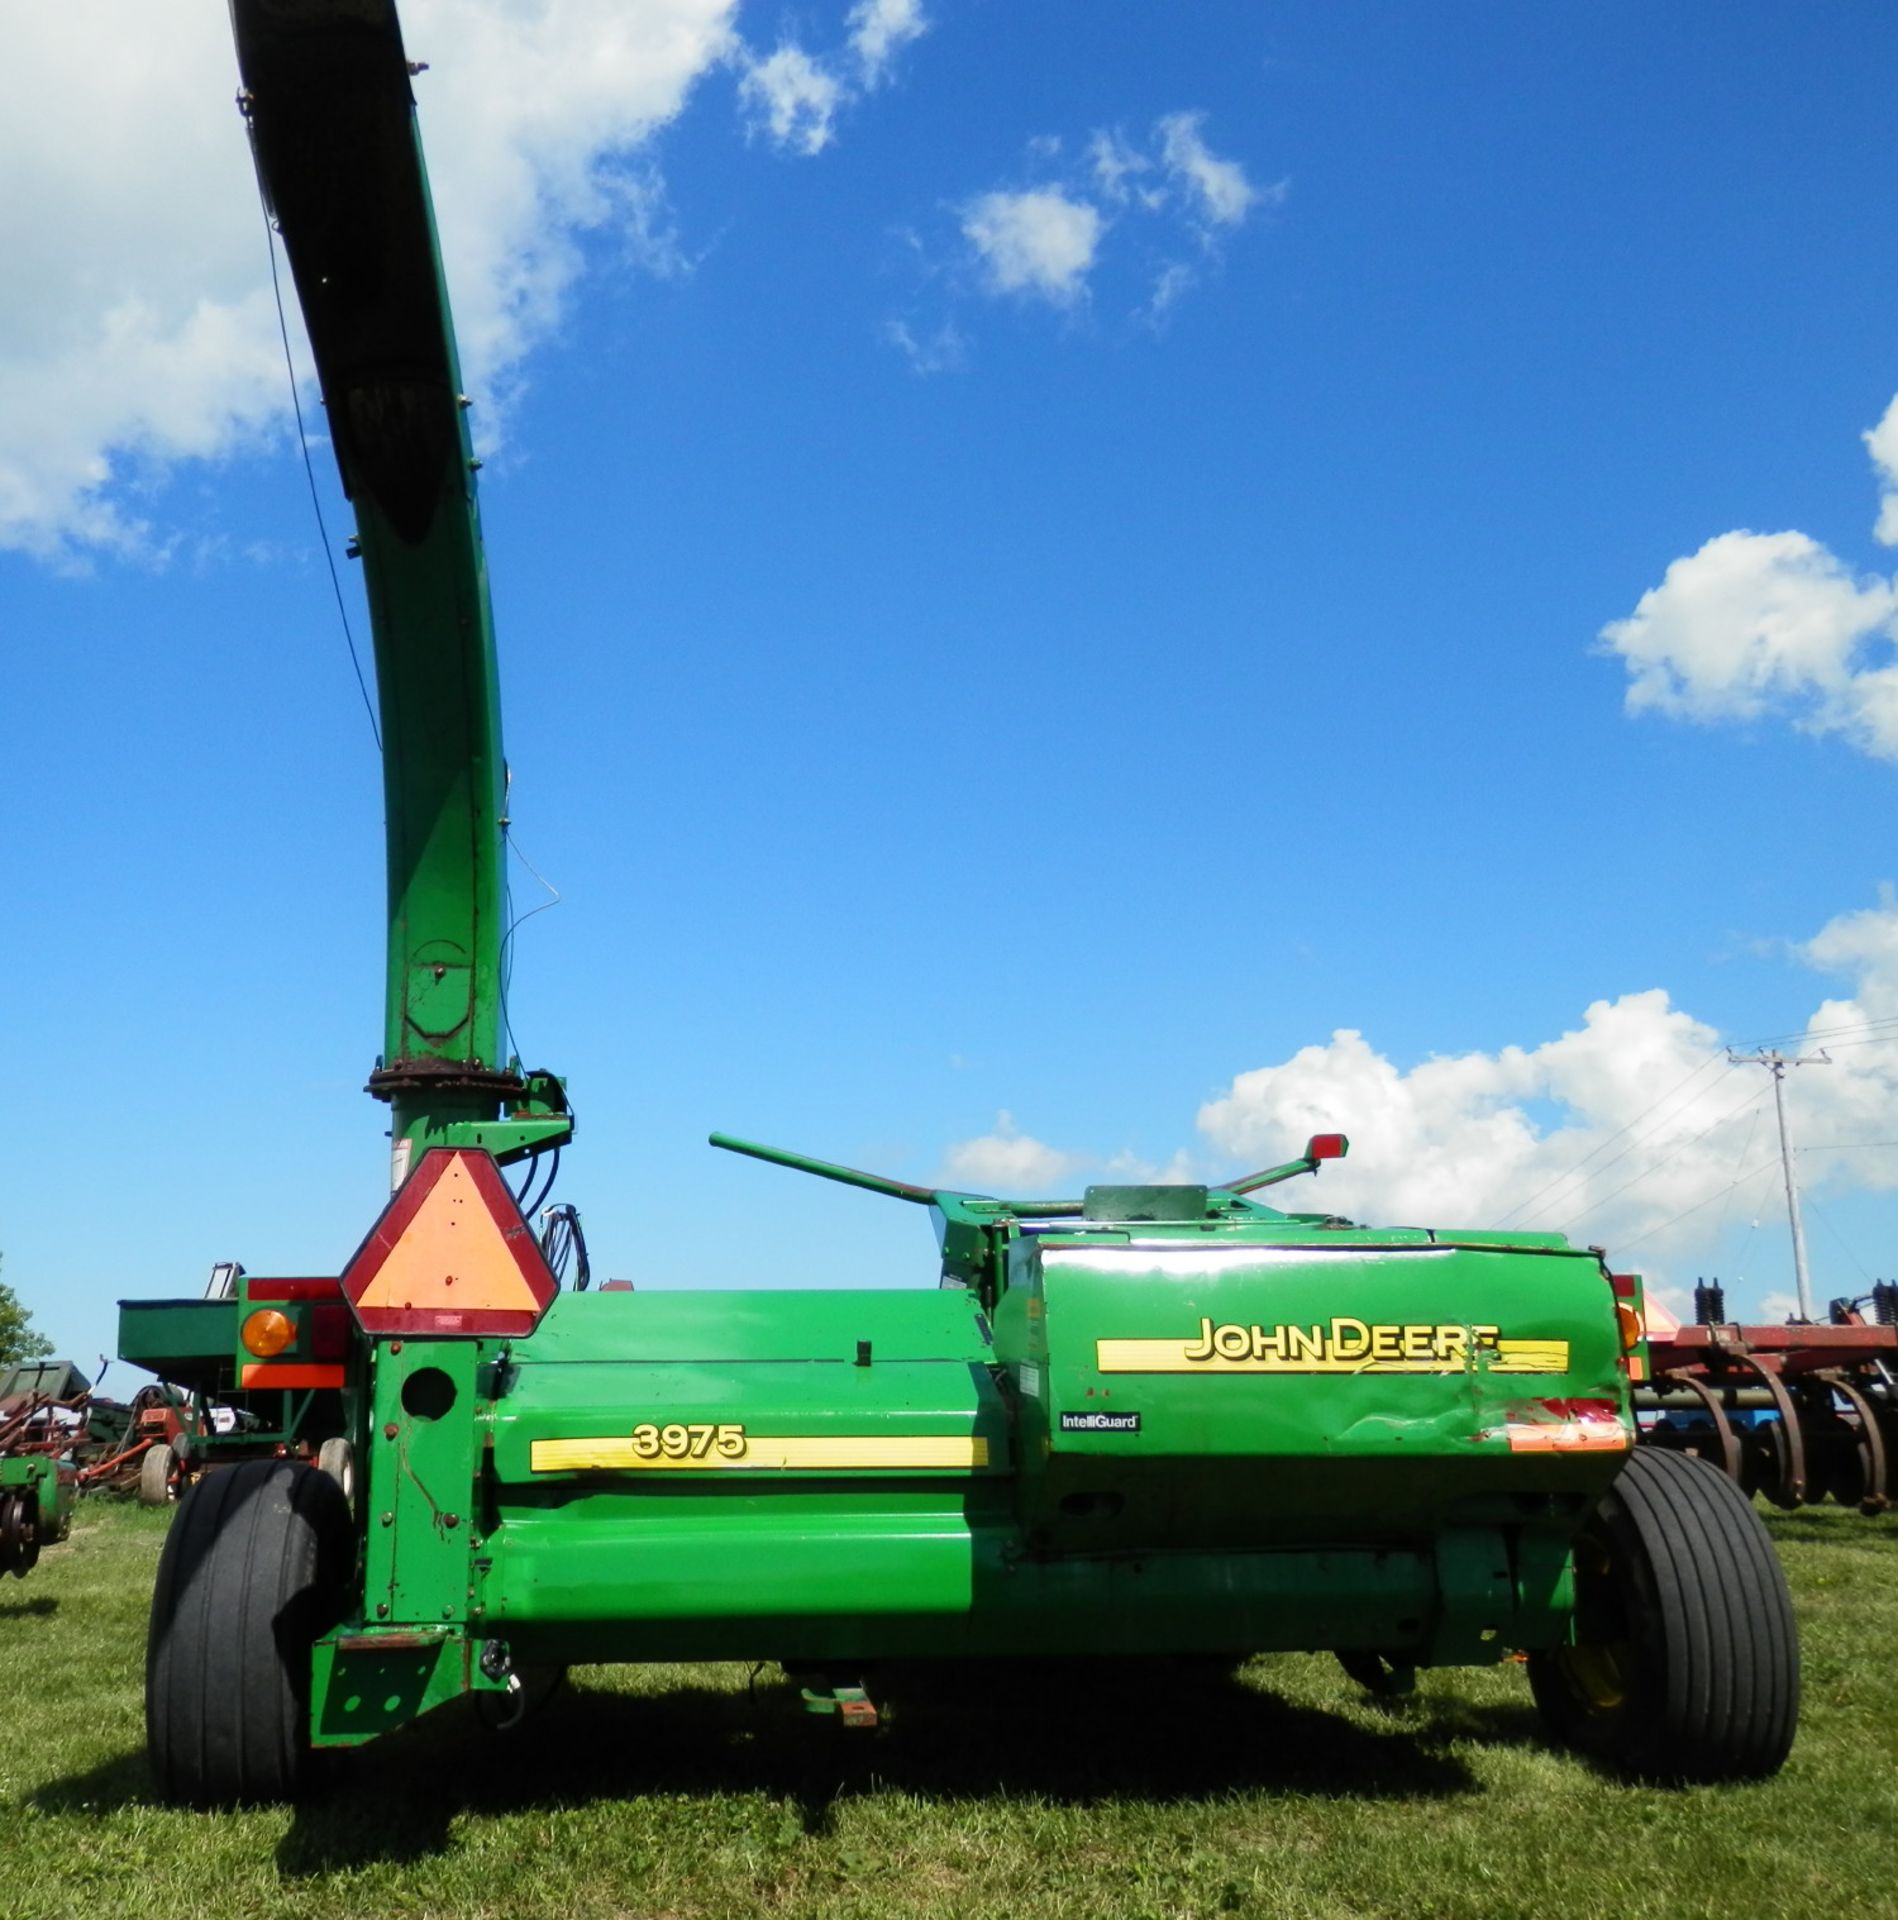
pixel 1602 1145
pixel 1733 1112
pixel 1763 1166
pixel 1656 1166
pixel 1824 1033
pixel 1739 1160
pixel 309 473
pixel 1825 1220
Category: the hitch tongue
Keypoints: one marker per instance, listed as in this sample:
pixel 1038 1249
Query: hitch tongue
pixel 851 1704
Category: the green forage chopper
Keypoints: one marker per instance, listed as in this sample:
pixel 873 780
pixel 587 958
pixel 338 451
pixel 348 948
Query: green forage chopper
pixel 1147 1422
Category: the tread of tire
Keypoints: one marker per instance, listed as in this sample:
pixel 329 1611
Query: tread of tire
pixel 251 1557
pixel 1731 1697
pixel 149 1483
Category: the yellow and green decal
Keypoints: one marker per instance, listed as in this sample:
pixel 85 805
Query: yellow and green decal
pixel 684 1446
pixel 1340 1345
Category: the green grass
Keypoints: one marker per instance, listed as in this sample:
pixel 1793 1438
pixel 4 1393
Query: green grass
pixel 685 1792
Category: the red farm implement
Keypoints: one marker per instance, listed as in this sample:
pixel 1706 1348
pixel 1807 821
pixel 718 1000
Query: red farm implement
pixel 1802 1412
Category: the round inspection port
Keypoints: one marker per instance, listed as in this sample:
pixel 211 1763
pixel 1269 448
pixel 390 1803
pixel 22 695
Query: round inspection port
pixel 427 1393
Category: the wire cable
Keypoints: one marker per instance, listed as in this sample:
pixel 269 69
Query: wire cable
pixel 514 922
pixel 1602 1145
pixel 547 1186
pixel 1731 1113
pixel 309 473
pixel 1739 1160
pixel 563 1242
pixel 1823 1033
pixel 1825 1219
pixel 1763 1166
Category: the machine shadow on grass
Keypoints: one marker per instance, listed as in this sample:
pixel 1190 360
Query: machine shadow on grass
pixel 1075 1736
pixel 1835 1527
pixel 1073 1741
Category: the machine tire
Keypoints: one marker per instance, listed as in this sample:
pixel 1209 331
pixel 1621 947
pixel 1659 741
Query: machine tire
pixel 1686 1664
pixel 337 1458
pixel 157 1473
pixel 255 1567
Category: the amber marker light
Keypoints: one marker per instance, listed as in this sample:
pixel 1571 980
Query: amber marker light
pixel 267 1332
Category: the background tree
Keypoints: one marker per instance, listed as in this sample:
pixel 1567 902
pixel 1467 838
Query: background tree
pixel 18 1340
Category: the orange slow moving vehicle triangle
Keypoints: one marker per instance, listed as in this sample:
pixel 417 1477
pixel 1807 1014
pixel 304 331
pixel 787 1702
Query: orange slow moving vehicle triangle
pixel 450 1255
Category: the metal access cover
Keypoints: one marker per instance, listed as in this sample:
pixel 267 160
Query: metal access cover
pixel 1144 1203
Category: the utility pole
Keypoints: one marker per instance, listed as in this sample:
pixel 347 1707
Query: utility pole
pixel 1776 1063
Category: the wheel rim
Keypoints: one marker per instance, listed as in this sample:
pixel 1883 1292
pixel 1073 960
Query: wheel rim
pixel 1597 1674
pixel 1597 1671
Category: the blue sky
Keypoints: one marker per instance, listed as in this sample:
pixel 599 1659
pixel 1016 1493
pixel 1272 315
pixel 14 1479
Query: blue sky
pixel 1036 590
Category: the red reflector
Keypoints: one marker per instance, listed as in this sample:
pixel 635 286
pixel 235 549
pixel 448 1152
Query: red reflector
pixel 1624 1284
pixel 1327 1146
pixel 450 1255
pixel 328 1288
pixel 330 1328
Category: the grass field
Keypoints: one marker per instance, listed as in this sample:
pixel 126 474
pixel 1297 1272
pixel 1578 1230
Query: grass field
pixel 700 1791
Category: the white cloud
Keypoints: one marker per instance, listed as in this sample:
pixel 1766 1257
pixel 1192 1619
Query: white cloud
pixel 136 324
pixel 1882 443
pixel 1774 623
pixel 878 28
pixel 1046 239
pixel 1630 1131
pixel 793 98
pixel 1219 187
pixel 1117 168
pixel 1633 1130
pixel 1170 286
pixel 1038 242
pixel 1009 1161
pixel 648 234
pixel 1762 622
pixel 1452 1141
pixel 942 350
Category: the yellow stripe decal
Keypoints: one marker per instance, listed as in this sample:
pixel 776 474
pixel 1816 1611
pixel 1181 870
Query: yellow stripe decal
pixel 1530 1356
pixel 893 1453
pixel 1421 1354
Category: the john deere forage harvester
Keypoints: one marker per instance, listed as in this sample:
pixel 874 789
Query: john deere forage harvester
pixel 1149 1421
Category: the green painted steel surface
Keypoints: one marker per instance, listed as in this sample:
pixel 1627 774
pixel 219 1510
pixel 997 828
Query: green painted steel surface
pixel 1128 1454
pixel 333 130
pixel 192 1343
pixel 1156 1419
pixel 49 1486
pixel 1087 1317
pixel 373 1685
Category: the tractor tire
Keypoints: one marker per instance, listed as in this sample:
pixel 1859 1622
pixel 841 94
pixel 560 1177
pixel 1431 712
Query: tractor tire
pixel 256 1566
pixel 156 1474
pixel 1684 1666
pixel 337 1458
